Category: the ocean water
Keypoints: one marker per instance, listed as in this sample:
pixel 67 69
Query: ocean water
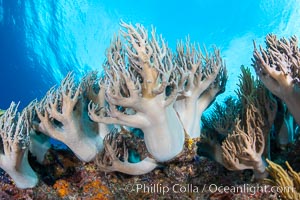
pixel 40 41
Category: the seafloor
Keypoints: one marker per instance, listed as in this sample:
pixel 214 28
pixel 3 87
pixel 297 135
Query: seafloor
pixel 63 176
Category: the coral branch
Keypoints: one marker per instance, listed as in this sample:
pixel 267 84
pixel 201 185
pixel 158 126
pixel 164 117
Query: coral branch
pixel 288 180
pixel 109 161
pixel 243 149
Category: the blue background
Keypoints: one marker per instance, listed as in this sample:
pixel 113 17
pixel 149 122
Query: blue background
pixel 40 41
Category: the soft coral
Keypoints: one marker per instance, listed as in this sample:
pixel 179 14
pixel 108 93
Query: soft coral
pixel 14 135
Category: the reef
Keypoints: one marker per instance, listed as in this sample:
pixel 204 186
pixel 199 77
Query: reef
pixel 139 130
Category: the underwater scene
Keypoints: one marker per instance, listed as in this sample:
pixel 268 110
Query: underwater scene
pixel 120 99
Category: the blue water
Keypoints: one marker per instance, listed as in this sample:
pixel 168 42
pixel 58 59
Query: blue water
pixel 40 41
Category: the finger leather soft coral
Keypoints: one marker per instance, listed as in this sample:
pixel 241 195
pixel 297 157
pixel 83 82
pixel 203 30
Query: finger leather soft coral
pixel 14 146
pixel 202 79
pixel 141 83
pixel 141 87
pixel 62 115
pixel 146 87
pixel 278 68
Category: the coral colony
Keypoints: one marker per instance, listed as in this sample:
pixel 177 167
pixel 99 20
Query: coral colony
pixel 163 94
